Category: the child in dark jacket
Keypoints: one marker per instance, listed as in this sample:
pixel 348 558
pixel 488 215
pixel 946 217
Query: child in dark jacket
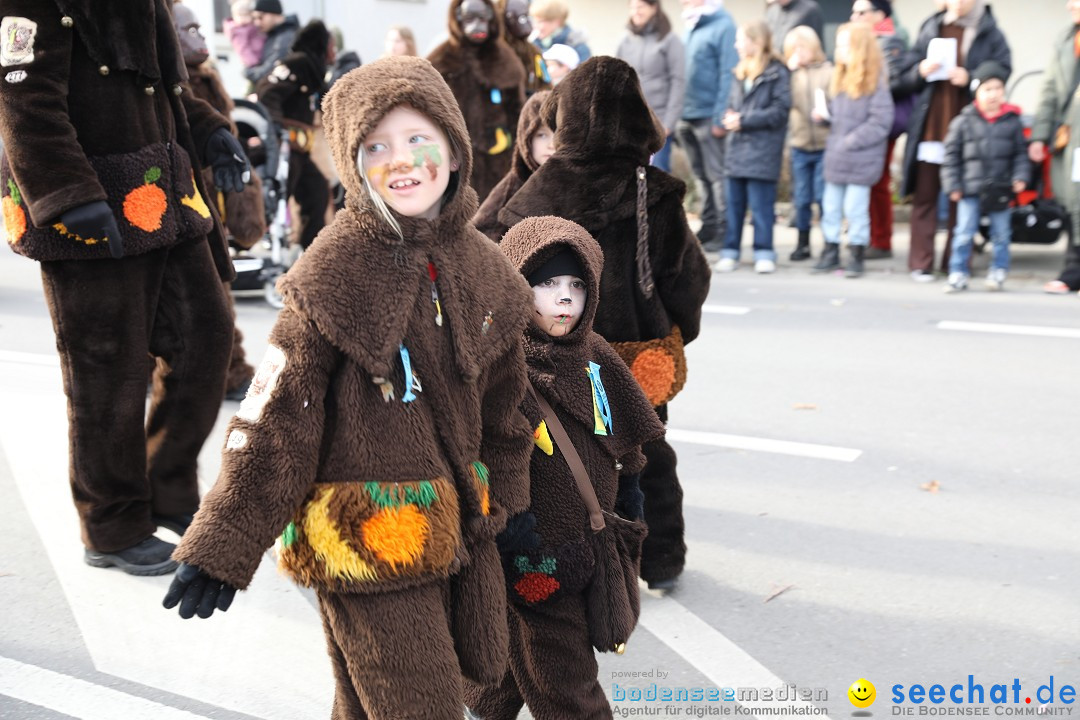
pixel 756 121
pixel 384 492
pixel 985 163
pixel 607 418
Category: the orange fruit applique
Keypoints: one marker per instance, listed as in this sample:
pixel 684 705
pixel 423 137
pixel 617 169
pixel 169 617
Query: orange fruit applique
pixel 396 534
pixel 14 215
pixel 654 370
pixel 145 205
pixel 195 200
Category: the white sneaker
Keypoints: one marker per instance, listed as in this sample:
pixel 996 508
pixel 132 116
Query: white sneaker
pixel 956 283
pixel 764 267
pixel 922 276
pixel 995 280
pixel 726 264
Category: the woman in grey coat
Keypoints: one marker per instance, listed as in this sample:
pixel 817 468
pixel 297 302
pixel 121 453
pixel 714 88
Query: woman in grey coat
pixel 658 57
pixel 861 116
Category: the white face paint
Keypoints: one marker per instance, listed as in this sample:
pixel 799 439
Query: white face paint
pixel 559 303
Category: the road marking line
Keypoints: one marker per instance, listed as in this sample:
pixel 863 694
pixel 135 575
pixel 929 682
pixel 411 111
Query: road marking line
pixel 78 698
pixel 724 309
pixel 24 358
pixel 707 649
pixel 1040 330
pixel 780 447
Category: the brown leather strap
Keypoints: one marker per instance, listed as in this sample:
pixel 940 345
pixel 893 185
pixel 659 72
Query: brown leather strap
pixel 570 454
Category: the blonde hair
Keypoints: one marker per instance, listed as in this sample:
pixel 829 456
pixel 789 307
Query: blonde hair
pixel 861 73
pixel 406 34
pixel 751 68
pixel 803 36
pixel 550 10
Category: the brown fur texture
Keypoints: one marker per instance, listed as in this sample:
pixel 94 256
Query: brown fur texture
pixel 352 301
pixel 522 166
pixel 245 213
pixel 546 668
pixel 473 72
pixel 73 135
pixel 604 132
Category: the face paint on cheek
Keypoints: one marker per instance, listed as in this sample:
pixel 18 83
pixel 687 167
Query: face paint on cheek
pixel 429 157
pixel 377 177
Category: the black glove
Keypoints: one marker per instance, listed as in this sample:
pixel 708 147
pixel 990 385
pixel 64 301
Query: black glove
pixel 629 500
pixel 197 592
pixel 226 155
pixel 519 535
pixel 95 220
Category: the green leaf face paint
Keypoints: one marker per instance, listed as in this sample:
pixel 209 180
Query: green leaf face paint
pixel 429 157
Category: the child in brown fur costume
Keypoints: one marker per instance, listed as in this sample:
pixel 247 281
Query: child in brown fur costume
pixel 381 442
pixel 488 81
pixel 607 418
pixel 532 147
pixel 655 276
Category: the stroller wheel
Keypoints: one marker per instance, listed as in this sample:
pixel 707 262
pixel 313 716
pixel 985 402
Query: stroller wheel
pixel 273 297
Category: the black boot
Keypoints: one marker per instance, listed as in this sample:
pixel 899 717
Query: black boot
pixel 829 260
pixel 855 267
pixel 802 250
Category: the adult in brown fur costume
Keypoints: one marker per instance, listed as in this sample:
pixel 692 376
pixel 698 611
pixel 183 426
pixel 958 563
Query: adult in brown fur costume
pixel 101 183
pixel 244 212
pixel 655 276
pixel 382 441
pixel 522 166
pixel 515 16
pixel 488 82
pixel 552 665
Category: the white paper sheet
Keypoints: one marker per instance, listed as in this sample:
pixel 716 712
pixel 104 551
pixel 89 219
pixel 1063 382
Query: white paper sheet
pixel 1076 165
pixel 931 152
pixel 943 52
pixel 821 104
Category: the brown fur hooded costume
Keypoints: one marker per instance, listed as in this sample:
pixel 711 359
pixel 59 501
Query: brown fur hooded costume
pixel 552 665
pixel 92 109
pixel 388 508
pixel 478 75
pixel 522 166
pixel 604 132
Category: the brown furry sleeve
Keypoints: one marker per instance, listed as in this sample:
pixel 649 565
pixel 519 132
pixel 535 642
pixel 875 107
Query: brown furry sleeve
pixel 204 120
pixel 681 270
pixel 270 458
pixel 40 142
pixel 632 415
pixel 508 439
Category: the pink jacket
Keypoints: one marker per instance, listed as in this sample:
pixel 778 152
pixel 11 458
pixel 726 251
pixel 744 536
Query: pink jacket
pixel 247 40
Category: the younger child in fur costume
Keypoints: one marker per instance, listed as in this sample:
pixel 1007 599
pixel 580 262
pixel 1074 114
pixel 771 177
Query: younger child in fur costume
pixel 655 277
pixel 607 418
pixel 382 442
pixel 533 145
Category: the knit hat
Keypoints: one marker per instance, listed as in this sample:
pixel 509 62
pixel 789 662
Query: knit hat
pixel 883 5
pixel 564 262
pixel 269 6
pixel 989 70
pixel 563 54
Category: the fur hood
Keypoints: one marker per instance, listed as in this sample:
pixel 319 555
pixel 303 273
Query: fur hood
pixel 373 269
pixel 556 365
pixel 493 62
pixel 522 166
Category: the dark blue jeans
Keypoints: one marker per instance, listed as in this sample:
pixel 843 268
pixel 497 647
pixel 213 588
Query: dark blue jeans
pixel 808 177
pixel 760 196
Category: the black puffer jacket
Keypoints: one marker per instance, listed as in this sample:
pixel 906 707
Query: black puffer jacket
pixel 977 150
pixel 989 44
pixel 756 150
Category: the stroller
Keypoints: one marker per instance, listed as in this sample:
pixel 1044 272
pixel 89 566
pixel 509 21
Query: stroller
pixel 267 147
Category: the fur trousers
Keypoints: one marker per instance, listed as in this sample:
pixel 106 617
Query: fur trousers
pixel 664 552
pixel 109 316
pixel 393 654
pixel 553 668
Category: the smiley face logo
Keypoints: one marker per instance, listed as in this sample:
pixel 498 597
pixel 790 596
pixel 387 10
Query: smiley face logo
pixel 862 693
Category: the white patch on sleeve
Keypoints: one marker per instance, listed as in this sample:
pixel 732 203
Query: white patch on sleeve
pixel 262 386
pixel 238 439
pixel 15 76
pixel 17 41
